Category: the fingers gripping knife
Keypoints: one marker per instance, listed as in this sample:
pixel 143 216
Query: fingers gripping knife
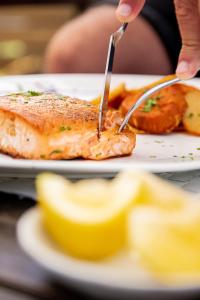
pixel 114 39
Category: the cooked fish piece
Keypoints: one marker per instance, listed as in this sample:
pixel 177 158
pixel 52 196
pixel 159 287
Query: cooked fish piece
pixel 49 126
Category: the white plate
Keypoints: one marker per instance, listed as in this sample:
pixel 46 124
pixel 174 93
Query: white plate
pixel 117 276
pixel 155 153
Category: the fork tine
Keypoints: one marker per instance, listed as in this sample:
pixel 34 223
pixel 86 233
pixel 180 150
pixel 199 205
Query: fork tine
pixel 145 96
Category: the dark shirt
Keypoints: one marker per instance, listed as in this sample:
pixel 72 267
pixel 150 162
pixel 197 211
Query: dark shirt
pixel 161 16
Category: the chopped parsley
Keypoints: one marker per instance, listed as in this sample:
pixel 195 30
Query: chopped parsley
pixel 63 128
pixel 198 148
pixel 190 116
pixel 98 154
pixel 25 94
pixel 149 105
pixel 56 151
pixel 158 97
pixel 62 98
pixel 158 142
pixel 33 93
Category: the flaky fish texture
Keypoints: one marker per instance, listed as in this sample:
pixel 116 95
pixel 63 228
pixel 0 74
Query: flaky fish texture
pixel 49 126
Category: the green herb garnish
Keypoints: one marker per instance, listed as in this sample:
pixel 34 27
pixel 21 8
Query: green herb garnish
pixel 198 148
pixel 98 154
pixel 191 115
pixel 158 142
pixel 34 93
pixel 56 151
pixel 149 105
pixel 25 94
pixel 63 128
pixel 158 97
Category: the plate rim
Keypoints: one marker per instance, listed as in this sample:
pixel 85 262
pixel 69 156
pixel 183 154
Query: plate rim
pixel 71 166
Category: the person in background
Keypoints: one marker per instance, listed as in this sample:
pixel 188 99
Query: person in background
pixel 151 44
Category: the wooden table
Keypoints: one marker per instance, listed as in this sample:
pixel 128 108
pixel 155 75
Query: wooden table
pixel 20 277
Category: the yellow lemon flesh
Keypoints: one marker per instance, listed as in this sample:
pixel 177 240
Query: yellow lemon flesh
pixel 87 219
pixel 155 191
pixel 168 242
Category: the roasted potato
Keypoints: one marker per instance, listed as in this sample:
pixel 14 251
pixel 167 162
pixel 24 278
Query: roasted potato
pixel 151 85
pixel 161 113
pixel 116 96
pixel 191 119
pixel 187 88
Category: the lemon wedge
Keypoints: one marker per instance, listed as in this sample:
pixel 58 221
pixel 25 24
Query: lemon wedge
pixel 87 219
pixel 168 242
pixel 155 191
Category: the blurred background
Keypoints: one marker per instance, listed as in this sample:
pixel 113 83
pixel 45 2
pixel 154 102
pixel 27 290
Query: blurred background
pixel 25 29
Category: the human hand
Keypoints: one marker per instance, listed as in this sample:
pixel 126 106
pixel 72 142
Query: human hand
pixel 188 15
pixel 128 10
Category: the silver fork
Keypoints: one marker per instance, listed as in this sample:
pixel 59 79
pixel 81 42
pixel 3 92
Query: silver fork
pixel 145 96
pixel 114 39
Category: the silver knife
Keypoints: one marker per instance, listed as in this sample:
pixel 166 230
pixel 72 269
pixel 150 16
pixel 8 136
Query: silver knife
pixel 114 39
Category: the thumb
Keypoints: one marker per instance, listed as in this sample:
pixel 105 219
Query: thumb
pixel 129 9
pixel 187 12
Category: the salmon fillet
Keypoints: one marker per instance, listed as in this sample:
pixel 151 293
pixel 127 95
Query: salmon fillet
pixel 49 126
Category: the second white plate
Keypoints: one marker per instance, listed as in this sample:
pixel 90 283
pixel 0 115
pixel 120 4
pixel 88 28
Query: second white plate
pixel 119 277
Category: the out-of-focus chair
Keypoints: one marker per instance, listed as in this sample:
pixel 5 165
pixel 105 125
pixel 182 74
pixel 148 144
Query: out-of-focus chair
pixel 25 29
